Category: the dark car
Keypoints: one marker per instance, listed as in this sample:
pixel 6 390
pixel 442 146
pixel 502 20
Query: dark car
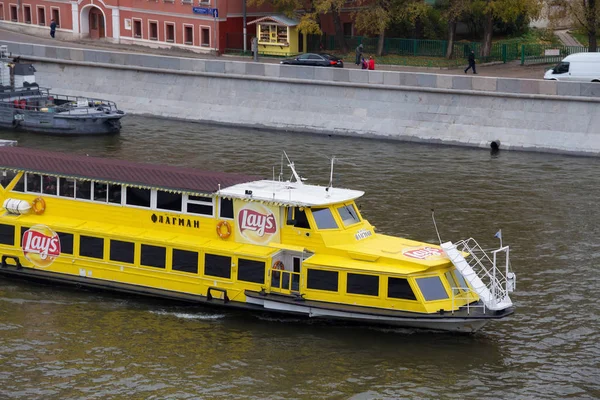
pixel 315 60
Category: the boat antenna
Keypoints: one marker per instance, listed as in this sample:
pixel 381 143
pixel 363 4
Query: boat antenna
pixel 281 169
pixel 331 172
pixel 293 168
pixel 435 225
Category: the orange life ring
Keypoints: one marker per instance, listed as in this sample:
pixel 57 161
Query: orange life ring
pixel 278 265
pixel 38 205
pixel 227 233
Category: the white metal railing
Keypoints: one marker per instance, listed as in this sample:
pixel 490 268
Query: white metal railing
pixel 467 295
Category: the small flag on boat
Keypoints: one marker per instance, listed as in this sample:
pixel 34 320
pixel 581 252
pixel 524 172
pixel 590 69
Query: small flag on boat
pixel 498 234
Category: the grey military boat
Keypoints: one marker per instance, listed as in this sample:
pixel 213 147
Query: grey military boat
pixel 25 106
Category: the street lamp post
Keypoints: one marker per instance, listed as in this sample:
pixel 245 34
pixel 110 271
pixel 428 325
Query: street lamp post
pixel 244 22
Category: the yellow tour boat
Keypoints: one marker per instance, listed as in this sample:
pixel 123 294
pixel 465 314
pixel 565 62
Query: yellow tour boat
pixel 233 240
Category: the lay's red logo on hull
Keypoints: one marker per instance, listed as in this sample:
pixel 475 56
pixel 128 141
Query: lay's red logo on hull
pixel 41 245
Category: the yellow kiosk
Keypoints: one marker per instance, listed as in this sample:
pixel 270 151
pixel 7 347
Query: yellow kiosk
pixel 279 35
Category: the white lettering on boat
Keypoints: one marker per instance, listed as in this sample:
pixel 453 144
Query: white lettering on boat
pixel 362 234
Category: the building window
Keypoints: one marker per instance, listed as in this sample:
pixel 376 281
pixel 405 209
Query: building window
pixel 200 205
pixel 273 34
pixel 56 16
pixel 33 183
pixel 322 280
pixel 50 184
pixel 137 197
pixel 91 247
pixel 432 288
pixel 66 242
pixel 122 251
pixel 83 190
pixel 153 30
pixel 27 14
pixel 168 201
pixel 41 16
pixel 363 284
pixel 399 288
pixel 226 208
pixel 66 187
pixel 1 12
pixel 251 271
pixel 205 37
pixel 14 14
pixel 185 261
pixel 137 28
pixel 169 33
pixel 153 256
pixel 188 35
pixel 7 234
pixel 217 266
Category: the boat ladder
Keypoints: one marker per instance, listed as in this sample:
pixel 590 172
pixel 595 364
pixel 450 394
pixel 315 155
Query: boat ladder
pixel 490 282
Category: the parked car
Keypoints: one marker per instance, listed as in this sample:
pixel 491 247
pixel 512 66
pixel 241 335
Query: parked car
pixel 579 67
pixel 315 60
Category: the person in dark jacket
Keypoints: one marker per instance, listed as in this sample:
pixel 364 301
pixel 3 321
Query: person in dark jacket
pixel 471 62
pixel 359 51
pixel 52 28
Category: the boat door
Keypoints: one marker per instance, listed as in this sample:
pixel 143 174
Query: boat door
pixel 286 272
pixel 96 23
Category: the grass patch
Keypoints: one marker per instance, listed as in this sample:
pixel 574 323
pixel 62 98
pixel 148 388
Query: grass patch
pixel 582 37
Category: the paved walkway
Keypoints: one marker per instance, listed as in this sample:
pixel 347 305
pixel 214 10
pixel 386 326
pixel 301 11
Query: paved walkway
pixel 508 70
pixel 565 37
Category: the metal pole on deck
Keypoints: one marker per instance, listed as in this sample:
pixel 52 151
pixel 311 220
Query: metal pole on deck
pixel 244 19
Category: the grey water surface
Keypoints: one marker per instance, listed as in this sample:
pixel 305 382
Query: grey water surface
pixel 64 343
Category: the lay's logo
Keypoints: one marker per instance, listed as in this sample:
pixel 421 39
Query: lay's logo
pixel 41 245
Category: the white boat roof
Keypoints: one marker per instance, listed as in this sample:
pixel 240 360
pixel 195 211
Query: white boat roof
pixel 290 193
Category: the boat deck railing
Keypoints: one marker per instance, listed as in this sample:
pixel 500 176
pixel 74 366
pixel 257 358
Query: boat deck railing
pixel 57 103
pixel 465 294
pixel 284 281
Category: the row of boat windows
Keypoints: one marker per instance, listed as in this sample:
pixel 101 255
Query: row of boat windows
pixel 117 194
pixel 323 217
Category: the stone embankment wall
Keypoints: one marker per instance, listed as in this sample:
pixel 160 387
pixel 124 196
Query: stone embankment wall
pixel 460 110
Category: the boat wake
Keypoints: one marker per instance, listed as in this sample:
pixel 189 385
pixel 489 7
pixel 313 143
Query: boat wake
pixel 188 315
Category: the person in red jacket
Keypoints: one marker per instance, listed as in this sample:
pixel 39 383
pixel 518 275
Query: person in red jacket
pixel 371 63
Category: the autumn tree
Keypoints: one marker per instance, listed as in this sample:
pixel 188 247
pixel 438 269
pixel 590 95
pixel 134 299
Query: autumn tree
pixel 584 14
pixel 453 11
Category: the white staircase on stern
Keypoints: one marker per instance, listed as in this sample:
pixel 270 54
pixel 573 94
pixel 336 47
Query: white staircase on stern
pixel 488 281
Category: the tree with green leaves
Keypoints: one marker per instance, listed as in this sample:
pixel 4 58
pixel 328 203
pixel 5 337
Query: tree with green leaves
pixel 585 14
pixel 453 11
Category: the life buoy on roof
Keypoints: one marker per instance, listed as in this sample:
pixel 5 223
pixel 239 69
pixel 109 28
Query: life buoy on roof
pixel 223 234
pixel 278 265
pixel 38 205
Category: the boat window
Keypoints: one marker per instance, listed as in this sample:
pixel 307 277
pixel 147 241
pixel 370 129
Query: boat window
pixel 226 208
pixel 66 187
pixel 363 284
pixel 399 288
pixel 90 246
pixel 200 205
pixel 66 242
pixel 251 271
pixel 168 201
pixel 83 189
pixel 348 215
pixel 6 177
pixel 137 197
pixel 185 261
pixel 299 217
pixel 34 183
pixel 122 251
pixel 23 230
pixel 100 191
pixel 7 234
pixel 322 280
pixel 324 218
pixel 153 256
pixel 217 266
pixel 20 186
pixel 50 185
pixel 114 194
pixel 453 284
pixel 461 280
pixel 432 288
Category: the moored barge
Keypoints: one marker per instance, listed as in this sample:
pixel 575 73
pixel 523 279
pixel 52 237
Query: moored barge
pixel 237 241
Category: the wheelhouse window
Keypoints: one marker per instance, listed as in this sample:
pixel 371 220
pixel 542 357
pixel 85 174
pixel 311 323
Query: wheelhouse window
pixel 90 246
pixel 168 201
pixel 122 251
pixel 348 215
pixel 50 185
pixel 7 234
pixel 251 271
pixel 185 261
pixel 322 280
pixel 226 208
pixel 363 284
pixel 34 183
pixel 399 288
pixel 215 265
pixel 66 187
pixel 452 282
pixel 200 205
pixel 324 218
pixel 6 177
pixel 153 256
pixel 297 218
pixel 83 190
pixel 137 197
pixel 432 288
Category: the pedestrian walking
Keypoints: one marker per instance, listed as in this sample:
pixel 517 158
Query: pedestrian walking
pixel 371 63
pixel 359 51
pixel 471 63
pixel 52 27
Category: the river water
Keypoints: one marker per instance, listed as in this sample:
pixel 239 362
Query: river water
pixel 63 343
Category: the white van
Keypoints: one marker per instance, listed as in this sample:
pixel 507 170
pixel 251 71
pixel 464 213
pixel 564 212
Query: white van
pixel 578 67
